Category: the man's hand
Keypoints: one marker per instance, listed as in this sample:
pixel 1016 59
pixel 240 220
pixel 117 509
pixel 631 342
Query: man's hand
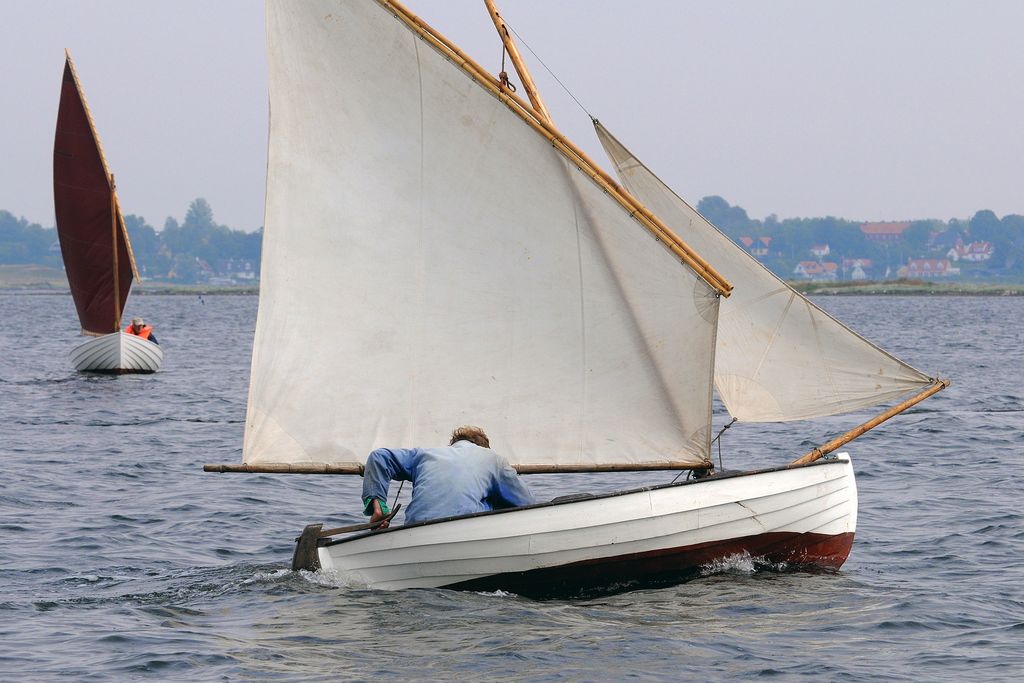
pixel 378 515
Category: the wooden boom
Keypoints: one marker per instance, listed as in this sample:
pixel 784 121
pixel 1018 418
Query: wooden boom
pixel 357 468
pixel 849 436
pixel 811 456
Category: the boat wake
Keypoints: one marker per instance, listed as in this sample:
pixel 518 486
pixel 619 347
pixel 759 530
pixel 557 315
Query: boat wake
pixel 741 563
pixel 326 578
pixel 266 576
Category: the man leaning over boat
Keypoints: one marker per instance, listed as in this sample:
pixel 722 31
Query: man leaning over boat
pixel 139 328
pixel 460 479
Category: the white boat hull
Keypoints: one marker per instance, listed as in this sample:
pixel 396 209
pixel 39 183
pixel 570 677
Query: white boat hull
pixel 801 516
pixel 117 353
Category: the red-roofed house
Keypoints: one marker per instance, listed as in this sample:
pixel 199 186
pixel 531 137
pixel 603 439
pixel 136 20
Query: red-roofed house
pixel 760 247
pixel 888 231
pixel 808 269
pixel 974 252
pixel 930 267
pixel 820 250
pixel 756 246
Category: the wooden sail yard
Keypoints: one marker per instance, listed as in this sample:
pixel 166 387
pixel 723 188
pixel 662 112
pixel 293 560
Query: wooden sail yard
pixel 575 155
pixel 538 117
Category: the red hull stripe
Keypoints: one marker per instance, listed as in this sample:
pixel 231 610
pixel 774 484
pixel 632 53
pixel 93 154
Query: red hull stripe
pixel 669 565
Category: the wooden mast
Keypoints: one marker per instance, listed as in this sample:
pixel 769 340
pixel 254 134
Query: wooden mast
pixel 114 227
pixel 573 153
pixel 517 61
pixel 127 242
pixel 849 436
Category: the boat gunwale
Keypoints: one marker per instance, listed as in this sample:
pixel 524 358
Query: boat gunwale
pixel 588 497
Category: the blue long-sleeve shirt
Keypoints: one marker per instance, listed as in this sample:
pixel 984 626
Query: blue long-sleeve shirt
pixel 456 480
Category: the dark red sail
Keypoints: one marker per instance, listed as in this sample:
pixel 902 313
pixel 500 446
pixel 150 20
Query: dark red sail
pixel 93 240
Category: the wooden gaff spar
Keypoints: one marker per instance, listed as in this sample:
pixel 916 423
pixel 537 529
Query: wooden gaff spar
pixel 592 347
pixel 94 242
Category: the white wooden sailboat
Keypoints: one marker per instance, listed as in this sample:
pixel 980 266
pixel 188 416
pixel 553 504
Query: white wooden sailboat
pixel 479 268
pixel 118 353
pixel 94 242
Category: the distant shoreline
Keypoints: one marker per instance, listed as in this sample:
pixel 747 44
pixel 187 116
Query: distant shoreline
pixel 35 279
pixel 30 279
pixel 143 290
pixel 908 288
pixel 811 289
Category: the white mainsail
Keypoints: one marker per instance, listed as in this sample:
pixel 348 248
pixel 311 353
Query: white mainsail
pixel 779 356
pixel 429 260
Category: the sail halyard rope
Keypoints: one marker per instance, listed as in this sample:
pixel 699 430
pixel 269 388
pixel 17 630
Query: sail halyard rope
pixel 551 73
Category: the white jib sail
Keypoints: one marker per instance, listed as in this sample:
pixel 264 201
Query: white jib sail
pixel 430 261
pixel 779 356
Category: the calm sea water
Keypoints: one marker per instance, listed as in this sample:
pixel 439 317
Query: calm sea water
pixel 120 559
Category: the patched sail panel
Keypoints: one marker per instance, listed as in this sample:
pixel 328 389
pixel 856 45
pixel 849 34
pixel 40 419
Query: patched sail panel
pixel 430 261
pixel 779 356
pixel 93 240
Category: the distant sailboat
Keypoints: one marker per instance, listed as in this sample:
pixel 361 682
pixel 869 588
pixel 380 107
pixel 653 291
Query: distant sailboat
pixel 477 267
pixel 94 241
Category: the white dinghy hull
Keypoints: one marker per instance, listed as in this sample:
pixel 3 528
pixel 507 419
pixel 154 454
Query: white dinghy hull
pixel 801 516
pixel 117 353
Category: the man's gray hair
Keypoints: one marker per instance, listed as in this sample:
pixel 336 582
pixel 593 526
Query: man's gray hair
pixel 471 434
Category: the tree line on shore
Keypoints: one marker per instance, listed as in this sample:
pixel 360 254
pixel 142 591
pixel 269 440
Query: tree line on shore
pixel 195 250
pixel 791 239
pixel 198 249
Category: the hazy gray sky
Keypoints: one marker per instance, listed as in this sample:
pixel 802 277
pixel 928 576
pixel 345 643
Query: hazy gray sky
pixel 876 109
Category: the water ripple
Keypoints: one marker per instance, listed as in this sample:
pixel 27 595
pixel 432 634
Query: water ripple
pixel 121 559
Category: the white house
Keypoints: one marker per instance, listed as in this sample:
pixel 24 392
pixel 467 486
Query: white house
pixel 820 250
pixel 974 252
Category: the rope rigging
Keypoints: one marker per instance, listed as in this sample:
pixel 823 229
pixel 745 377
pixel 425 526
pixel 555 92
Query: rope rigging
pixel 397 494
pixel 541 62
pixel 719 440
pixel 503 75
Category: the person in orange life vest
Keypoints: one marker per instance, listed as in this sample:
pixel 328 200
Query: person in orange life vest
pixel 140 329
